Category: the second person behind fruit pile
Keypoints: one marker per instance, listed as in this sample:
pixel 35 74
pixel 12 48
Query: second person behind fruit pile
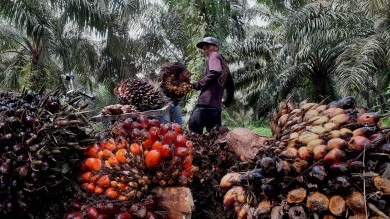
pixel 174 84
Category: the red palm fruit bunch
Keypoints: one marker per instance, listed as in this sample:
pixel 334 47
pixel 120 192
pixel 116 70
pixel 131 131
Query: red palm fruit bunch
pixel 327 160
pixel 146 208
pixel 136 156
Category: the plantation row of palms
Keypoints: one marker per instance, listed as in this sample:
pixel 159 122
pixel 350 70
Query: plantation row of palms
pixel 308 49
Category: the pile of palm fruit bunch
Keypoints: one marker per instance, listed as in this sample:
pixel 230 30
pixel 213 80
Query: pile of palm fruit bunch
pixel 139 93
pixel 41 141
pixel 117 109
pixel 172 85
pixel 327 161
pixel 126 164
pixel 214 159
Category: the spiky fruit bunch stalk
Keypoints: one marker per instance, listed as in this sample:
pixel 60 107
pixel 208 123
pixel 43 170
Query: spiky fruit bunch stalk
pixel 139 93
pixel 136 156
pixel 318 164
pixel 171 84
pixel 41 140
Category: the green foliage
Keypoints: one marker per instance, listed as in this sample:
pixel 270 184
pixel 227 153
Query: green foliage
pixel 262 131
pixel 388 93
pixel 320 50
pixel 386 122
pixel 234 118
pixel 104 97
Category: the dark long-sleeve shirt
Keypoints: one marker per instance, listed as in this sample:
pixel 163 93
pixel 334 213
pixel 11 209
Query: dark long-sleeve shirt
pixel 215 80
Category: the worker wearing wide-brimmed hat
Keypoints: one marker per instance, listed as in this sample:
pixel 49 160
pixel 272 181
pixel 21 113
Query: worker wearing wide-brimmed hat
pixel 216 79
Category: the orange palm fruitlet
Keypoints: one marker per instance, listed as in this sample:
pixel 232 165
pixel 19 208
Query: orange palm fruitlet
pixel 93 163
pixel 91 187
pixel 104 181
pixel 85 177
pixel 111 193
pixel 135 148
pixel 99 190
pixel 92 151
pixel 156 145
pixel 113 161
pixel 166 151
pixel 153 158
pixel 121 142
pixel 121 155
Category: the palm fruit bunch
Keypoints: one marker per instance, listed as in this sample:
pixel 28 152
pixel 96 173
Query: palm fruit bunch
pixel 136 156
pixel 139 93
pixel 214 160
pixel 117 109
pixel 172 85
pixel 146 208
pixel 41 141
pixel 327 161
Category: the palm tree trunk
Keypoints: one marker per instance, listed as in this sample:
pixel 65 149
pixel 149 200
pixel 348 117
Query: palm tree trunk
pixel 37 78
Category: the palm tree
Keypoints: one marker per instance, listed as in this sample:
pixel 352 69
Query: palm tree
pixel 40 35
pixel 197 19
pixel 314 39
pixel 305 64
pixel 37 29
pixel 48 24
pixel 253 59
pixel 363 67
pixel 13 54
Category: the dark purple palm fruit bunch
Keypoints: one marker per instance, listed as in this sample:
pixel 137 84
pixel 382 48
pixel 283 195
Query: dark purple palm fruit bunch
pixel 214 159
pixel 139 93
pixel 41 141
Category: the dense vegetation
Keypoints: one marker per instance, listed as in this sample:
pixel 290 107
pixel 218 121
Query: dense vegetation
pixel 304 49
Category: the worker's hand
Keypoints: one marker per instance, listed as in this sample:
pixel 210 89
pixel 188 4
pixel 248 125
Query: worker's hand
pixel 223 104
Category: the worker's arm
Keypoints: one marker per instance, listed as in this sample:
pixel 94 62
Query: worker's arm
pixel 215 71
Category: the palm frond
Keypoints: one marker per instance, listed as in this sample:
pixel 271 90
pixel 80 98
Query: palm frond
pixel 31 16
pixel 85 13
pixel 375 7
pixel 263 12
pixel 318 24
pixel 382 27
pixel 258 46
pixel 11 38
pixel 360 63
pixel 9 73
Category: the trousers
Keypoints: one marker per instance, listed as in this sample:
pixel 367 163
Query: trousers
pixel 204 116
pixel 174 115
